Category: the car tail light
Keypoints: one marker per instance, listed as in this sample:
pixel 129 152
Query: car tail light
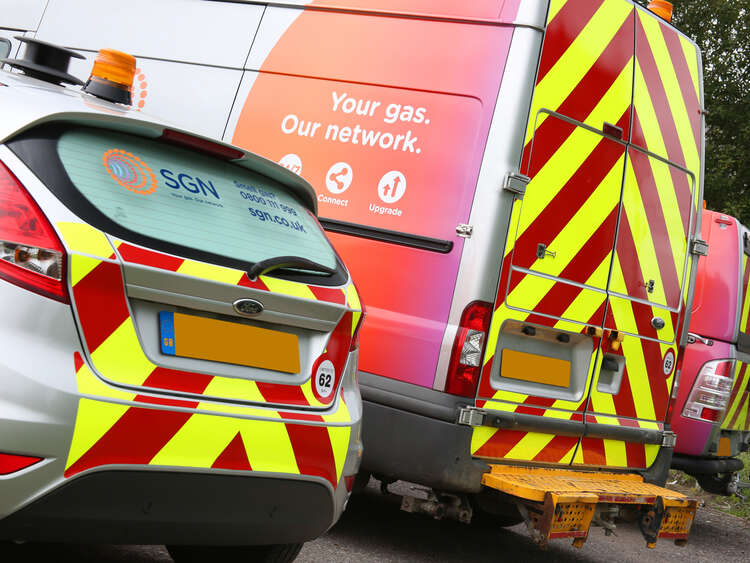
pixel 709 397
pixel 468 349
pixel 31 254
pixel 10 463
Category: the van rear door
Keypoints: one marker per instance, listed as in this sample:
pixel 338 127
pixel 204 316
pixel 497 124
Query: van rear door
pixel 549 313
pixel 600 261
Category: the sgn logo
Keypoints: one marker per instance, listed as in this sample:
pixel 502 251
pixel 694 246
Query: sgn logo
pixel 193 184
pixel 129 171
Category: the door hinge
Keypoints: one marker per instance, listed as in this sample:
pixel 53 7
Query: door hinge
pixel 471 416
pixel 699 247
pixel 464 231
pixel 668 439
pixel 516 183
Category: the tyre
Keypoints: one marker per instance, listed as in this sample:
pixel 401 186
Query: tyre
pixel 282 553
pixel 717 483
pixel 494 511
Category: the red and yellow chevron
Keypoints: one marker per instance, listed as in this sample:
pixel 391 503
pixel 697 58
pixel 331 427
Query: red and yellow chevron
pixel 126 433
pixel 615 219
pixel 738 414
pixel 112 342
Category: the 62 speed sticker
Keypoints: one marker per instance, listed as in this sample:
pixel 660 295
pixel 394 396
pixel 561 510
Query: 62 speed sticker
pixel 325 377
pixel 668 362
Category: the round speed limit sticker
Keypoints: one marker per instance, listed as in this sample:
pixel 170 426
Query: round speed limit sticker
pixel 325 377
pixel 668 363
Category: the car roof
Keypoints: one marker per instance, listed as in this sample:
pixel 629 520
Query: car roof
pixel 26 102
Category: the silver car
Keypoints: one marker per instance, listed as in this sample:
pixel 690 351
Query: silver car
pixel 179 337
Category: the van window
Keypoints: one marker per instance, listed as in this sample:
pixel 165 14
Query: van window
pixel 191 200
pixel 4 48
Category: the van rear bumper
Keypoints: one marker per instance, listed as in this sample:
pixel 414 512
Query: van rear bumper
pixel 412 447
pixel 164 507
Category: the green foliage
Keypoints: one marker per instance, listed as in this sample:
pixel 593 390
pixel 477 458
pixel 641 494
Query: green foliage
pixel 722 30
pixel 740 507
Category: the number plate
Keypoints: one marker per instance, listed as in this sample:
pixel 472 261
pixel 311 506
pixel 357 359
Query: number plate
pixel 536 369
pixel 189 336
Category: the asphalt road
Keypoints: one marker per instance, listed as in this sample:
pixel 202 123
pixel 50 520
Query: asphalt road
pixel 373 529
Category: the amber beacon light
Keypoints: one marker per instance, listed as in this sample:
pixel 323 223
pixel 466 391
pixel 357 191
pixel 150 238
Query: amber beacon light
pixel 661 8
pixel 112 76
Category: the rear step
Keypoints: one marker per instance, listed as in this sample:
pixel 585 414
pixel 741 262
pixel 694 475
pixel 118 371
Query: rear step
pixel 559 503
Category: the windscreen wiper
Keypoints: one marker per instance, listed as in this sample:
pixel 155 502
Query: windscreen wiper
pixel 296 262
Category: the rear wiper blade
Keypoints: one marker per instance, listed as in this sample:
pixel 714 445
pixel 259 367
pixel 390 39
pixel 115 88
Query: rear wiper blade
pixel 296 262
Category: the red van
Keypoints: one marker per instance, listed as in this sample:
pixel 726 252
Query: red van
pixel 711 412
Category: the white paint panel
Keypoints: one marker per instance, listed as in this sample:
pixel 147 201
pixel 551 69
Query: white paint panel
pixel 197 98
pixel 248 79
pixel 21 14
pixel 195 31
pixel 276 22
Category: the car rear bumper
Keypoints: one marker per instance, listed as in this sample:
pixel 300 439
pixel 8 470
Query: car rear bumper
pixel 103 447
pixel 147 507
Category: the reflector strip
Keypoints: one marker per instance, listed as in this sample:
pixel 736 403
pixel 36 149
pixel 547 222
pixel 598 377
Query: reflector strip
pixel 12 463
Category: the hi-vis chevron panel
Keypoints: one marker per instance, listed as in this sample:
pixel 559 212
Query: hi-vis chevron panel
pixel 116 426
pixel 99 296
pixel 738 414
pixel 113 433
pixel 601 234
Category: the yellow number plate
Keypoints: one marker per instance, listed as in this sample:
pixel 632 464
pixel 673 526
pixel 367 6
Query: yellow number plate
pixel 536 369
pixel 189 336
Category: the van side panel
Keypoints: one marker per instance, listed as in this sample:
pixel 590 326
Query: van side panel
pixel 22 15
pixel 503 10
pixel 392 137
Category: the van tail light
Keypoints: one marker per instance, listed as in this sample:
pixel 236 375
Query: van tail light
pixel 709 397
pixel 465 366
pixel 31 254
pixel 10 463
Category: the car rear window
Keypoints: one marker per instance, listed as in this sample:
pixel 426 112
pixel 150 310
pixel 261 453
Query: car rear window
pixel 191 200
